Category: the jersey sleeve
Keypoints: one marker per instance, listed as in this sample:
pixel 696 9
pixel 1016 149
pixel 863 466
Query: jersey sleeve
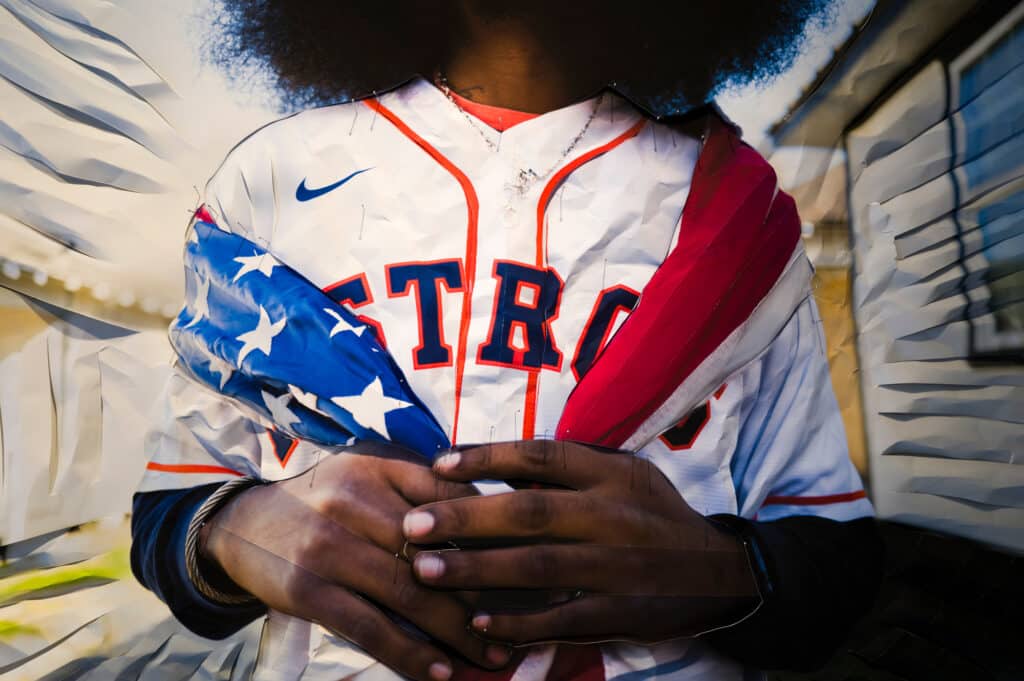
pixel 198 439
pixel 197 435
pixel 791 455
pixel 241 196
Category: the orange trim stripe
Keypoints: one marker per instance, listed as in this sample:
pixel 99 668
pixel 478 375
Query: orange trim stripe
pixel 288 454
pixel 473 208
pixel 191 468
pixel 560 176
pixel 815 501
pixel 530 407
pixel 497 117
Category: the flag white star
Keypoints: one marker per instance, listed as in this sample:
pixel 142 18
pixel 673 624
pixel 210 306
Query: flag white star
pixel 279 411
pixel 342 325
pixel 371 406
pixel 307 400
pixel 261 337
pixel 262 263
pixel 202 304
pixel 193 235
pixel 222 368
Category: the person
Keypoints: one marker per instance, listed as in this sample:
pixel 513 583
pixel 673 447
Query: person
pixel 503 224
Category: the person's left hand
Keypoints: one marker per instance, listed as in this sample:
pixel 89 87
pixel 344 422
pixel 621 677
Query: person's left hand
pixel 641 565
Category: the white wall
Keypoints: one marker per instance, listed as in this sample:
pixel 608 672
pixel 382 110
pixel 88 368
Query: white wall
pixel 945 436
pixel 108 124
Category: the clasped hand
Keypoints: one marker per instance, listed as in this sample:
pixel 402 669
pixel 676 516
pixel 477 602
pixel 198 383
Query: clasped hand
pixel 609 529
pixel 608 545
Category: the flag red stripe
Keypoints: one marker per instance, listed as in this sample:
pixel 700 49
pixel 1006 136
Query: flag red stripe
pixel 736 237
pixel 530 404
pixel 577 663
pixel 203 214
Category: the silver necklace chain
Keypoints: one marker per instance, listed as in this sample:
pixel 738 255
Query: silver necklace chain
pixel 527 176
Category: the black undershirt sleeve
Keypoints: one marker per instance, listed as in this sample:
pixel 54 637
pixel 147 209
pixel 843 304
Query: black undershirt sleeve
pixel 823 577
pixel 160 522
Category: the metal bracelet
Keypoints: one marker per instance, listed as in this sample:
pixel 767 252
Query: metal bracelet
pixel 219 498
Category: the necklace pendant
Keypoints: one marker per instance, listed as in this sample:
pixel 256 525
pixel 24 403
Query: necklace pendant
pixel 524 179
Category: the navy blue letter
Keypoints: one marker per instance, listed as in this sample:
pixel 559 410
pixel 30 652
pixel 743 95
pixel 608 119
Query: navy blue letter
pixel 599 326
pixel 355 292
pixel 526 300
pixel 427 278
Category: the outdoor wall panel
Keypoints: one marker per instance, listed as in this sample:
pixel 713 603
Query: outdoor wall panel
pixel 937 224
pixel 110 125
pixel 899 120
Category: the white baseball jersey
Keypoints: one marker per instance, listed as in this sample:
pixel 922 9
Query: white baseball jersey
pixel 495 267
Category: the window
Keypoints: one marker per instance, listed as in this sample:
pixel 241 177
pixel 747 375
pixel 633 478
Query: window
pixel 987 83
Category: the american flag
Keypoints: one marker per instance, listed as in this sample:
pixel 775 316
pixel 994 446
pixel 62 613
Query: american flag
pixel 257 331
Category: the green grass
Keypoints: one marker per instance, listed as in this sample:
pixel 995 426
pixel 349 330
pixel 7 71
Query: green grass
pixel 10 630
pixel 105 568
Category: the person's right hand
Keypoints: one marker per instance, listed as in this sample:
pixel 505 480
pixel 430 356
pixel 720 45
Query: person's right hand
pixel 322 546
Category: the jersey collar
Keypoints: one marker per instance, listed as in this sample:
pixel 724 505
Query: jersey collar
pixel 538 144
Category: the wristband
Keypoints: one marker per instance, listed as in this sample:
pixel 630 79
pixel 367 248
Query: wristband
pixel 755 560
pixel 214 503
pixel 738 526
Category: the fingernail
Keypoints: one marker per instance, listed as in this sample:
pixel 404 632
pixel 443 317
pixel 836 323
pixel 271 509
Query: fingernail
pixel 417 524
pixel 497 655
pixel 429 566
pixel 481 621
pixel 448 461
pixel 440 671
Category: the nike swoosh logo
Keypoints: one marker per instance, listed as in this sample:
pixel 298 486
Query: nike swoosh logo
pixel 304 193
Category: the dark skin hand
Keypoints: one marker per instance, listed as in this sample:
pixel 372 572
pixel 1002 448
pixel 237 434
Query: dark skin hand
pixel 322 546
pixel 329 555
pixel 643 566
